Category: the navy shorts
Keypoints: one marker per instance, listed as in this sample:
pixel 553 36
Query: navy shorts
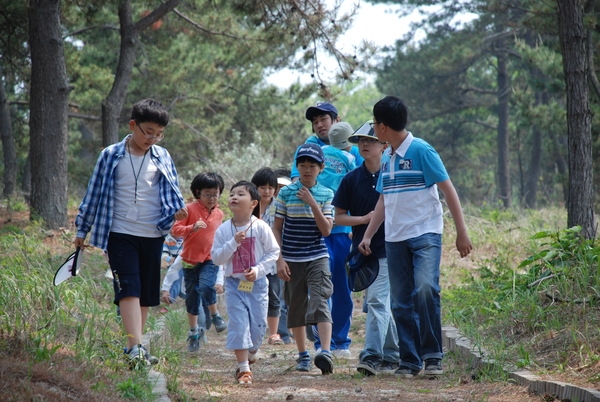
pixel 135 262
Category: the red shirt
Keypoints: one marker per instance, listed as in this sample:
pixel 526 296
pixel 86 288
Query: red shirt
pixel 197 244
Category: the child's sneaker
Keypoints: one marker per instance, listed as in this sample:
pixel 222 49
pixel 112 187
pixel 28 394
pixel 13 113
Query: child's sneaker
pixel 136 357
pixel 433 367
pixel 341 353
pixel 151 359
pixel 244 378
pixel 304 363
pixel 324 362
pixel 407 372
pixel 218 322
pixel 194 340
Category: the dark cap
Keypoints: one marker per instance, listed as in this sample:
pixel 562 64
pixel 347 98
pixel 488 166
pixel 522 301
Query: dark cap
pixel 363 131
pixel 312 151
pixel 320 108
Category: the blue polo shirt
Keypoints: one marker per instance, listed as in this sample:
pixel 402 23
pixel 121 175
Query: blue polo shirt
pixel 408 183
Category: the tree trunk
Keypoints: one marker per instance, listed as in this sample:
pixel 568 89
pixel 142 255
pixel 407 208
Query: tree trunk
pixel 8 146
pixel 502 79
pixel 532 176
pixel 48 114
pixel 113 104
pixel 579 118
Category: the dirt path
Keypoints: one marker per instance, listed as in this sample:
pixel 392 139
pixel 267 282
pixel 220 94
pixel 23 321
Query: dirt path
pixel 209 375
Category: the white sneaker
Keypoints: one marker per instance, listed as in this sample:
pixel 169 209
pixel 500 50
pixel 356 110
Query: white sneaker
pixel 342 353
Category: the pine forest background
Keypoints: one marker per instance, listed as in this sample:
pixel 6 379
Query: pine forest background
pixel 489 92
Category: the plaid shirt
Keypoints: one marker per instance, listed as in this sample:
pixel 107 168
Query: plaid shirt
pixel 97 206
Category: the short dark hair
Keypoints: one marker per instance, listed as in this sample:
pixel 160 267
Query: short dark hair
pixel 282 172
pixel 254 194
pixel 206 180
pixel 150 110
pixel 308 159
pixel 392 112
pixel 265 177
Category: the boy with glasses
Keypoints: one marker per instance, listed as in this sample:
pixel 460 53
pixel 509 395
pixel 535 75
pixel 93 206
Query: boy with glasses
pixel 130 204
pixel 354 203
pixel 199 272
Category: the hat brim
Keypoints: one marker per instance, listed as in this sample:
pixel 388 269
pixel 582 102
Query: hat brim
pixel 69 268
pixel 283 181
pixel 354 138
pixel 361 270
pixel 314 111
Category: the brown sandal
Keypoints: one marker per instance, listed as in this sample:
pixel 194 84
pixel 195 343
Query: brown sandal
pixel 275 339
pixel 244 378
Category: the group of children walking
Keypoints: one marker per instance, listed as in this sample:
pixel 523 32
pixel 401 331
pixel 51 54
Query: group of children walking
pixel 286 233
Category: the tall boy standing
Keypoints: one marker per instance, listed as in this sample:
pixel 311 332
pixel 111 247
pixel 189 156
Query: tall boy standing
pixel 131 201
pixel 303 216
pixel 324 117
pixel 411 174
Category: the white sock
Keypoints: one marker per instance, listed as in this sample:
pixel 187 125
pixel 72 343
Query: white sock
pixel 243 366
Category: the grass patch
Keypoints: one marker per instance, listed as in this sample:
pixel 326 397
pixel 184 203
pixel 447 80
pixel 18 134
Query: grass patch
pixel 533 302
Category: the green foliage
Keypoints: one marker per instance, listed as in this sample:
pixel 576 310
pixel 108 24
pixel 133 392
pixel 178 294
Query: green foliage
pixel 566 266
pixel 536 299
pixel 77 317
pixel 135 388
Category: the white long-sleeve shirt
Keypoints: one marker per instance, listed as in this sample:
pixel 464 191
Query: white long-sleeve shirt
pixel 259 251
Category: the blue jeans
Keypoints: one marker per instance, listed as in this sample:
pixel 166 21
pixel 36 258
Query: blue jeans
pixel 200 290
pixel 414 270
pixel 381 337
pixel 283 331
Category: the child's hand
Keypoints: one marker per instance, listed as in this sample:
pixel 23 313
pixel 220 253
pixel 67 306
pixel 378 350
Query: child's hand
pixel 200 224
pixel 250 275
pixel 181 214
pixel 463 244
pixel 283 271
pixel 219 289
pixel 239 237
pixel 305 195
pixel 165 296
pixel 365 246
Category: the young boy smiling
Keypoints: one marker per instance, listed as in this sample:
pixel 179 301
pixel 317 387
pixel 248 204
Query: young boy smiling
pixel 303 216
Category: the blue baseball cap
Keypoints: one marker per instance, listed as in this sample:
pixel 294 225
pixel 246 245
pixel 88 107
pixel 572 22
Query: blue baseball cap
pixel 312 151
pixel 320 108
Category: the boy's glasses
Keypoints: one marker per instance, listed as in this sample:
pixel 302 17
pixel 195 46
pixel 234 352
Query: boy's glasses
pixel 150 137
pixel 209 195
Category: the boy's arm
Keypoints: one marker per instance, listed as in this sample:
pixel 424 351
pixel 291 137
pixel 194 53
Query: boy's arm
pixel 283 271
pixel 463 242
pixel 343 219
pixel 376 221
pixel 324 224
